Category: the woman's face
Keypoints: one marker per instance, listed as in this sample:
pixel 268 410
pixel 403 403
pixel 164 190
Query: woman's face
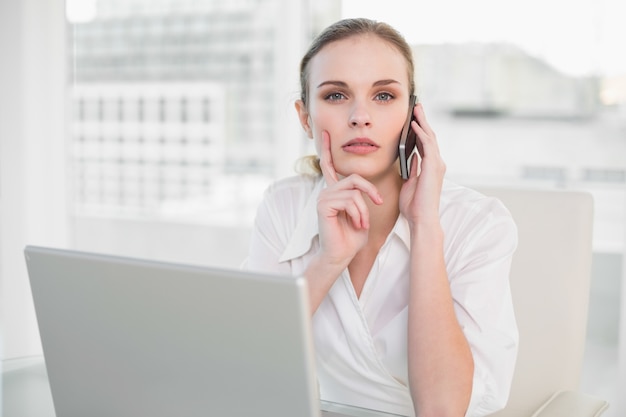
pixel 359 94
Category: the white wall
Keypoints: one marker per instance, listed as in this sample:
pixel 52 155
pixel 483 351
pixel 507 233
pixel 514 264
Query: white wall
pixel 33 203
pixel 292 29
pixel 33 157
pixel 197 244
pixel 621 358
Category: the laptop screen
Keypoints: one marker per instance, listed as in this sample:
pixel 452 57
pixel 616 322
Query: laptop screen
pixel 129 337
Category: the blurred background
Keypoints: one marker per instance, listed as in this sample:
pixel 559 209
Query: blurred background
pixel 151 128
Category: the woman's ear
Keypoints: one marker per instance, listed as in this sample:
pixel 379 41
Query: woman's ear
pixel 305 119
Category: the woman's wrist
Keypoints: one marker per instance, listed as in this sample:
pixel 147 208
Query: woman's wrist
pixel 322 267
pixel 429 231
pixel 320 275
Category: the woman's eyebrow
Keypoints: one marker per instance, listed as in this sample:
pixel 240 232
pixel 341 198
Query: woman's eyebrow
pixel 345 85
pixel 332 82
pixel 385 82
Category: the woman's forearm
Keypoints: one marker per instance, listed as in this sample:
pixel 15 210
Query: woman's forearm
pixel 320 275
pixel 440 361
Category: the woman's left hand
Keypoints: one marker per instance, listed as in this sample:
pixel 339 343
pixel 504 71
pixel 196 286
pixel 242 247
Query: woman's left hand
pixel 440 361
pixel 420 194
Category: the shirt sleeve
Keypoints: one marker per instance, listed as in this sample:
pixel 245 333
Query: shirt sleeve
pixel 266 241
pixel 479 281
pixel 278 216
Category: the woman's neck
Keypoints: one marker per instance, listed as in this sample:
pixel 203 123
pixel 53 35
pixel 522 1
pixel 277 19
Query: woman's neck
pixel 383 217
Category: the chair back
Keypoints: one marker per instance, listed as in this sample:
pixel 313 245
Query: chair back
pixel 550 277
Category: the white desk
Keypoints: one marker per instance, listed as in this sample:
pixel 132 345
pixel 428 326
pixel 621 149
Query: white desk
pixel 26 392
pixel 25 389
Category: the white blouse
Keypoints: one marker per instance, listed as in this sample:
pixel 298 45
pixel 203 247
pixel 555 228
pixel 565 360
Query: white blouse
pixel 361 343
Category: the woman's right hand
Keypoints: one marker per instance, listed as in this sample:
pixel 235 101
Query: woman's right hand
pixel 343 214
pixel 343 221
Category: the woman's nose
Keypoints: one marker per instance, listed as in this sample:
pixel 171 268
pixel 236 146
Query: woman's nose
pixel 359 116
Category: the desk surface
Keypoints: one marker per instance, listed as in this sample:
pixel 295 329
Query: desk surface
pixel 25 389
pixel 26 392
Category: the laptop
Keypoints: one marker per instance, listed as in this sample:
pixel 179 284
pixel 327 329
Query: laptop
pixel 131 337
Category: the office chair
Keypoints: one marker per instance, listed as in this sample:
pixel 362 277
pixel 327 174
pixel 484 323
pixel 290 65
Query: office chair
pixel 550 277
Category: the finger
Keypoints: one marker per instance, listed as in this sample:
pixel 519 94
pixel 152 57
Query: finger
pixel 359 214
pixel 326 161
pixel 425 134
pixel 356 182
pixel 348 206
pixel 349 200
pixel 420 116
pixel 414 161
pixel 419 132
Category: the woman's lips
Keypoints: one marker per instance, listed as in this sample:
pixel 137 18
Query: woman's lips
pixel 360 146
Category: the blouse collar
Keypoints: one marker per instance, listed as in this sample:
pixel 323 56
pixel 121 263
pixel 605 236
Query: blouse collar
pixel 307 228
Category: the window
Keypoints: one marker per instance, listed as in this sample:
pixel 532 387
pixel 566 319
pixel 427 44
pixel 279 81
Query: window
pixel 173 98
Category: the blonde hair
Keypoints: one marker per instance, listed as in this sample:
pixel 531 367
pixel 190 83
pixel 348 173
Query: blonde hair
pixel 340 30
pixel 309 165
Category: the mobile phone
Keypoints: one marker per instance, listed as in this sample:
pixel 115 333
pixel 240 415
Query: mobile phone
pixel 408 141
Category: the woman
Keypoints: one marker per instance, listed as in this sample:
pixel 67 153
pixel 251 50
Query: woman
pixel 408 279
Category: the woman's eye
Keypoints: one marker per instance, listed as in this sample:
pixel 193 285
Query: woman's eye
pixel 335 96
pixel 384 96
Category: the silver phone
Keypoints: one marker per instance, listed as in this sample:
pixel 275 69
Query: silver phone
pixel 408 141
